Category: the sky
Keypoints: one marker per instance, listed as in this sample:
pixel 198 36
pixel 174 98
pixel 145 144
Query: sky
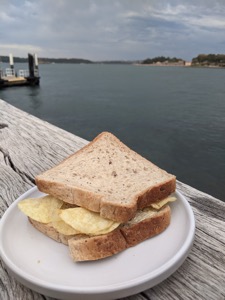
pixel 112 29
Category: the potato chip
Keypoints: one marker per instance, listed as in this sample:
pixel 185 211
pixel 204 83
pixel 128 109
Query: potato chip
pixel 60 225
pixel 40 209
pixel 109 229
pixel 64 228
pixel 142 215
pixel 86 221
pixel 163 202
pixel 55 215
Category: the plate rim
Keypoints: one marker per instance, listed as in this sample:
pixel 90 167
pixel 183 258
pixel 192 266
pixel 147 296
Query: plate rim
pixel 115 287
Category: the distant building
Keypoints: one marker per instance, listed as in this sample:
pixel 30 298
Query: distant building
pixel 169 63
pixel 187 63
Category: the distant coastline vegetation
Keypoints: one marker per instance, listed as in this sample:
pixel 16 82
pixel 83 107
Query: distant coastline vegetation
pixel 162 59
pixel 202 60
pixel 45 60
pixel 217 60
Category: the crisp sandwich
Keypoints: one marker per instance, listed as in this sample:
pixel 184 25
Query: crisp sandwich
pixel 102 200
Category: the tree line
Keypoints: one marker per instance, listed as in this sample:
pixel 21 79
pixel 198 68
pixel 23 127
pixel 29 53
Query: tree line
pixel 209 59
pixel 161 59
pixel 201 60
pixel 5 59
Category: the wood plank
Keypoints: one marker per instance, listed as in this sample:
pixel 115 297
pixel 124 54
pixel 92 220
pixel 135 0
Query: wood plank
pixel 14 79
pixel 29 146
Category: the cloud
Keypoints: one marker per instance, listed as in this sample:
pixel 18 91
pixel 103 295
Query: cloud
pixel 18 48
pixel 4 17
pixel 105 29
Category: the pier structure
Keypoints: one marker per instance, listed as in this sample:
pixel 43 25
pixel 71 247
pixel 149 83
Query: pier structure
pixel 11 77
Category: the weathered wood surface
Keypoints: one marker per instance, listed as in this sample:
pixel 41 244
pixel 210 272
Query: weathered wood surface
pixel 28 146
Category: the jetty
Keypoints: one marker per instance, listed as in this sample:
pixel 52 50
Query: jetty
pixel 10 77
pixel 29 146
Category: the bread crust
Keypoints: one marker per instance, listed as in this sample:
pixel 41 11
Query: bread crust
pixel 86 248
pixel 136 233
pixel 51 232
pixel 156 194
pixel 97 247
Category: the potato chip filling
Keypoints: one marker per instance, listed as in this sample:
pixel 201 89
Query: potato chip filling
pixel 71 221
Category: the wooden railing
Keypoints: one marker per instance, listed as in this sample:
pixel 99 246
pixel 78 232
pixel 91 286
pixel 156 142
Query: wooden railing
pixel 29 146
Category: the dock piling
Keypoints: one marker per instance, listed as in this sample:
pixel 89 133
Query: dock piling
pixel 33 78
pixel 9 77
pixel 11 61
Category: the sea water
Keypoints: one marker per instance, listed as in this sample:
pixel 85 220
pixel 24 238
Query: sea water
pixel 174 116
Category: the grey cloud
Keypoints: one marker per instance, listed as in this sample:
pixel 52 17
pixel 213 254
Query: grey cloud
pixel 105 29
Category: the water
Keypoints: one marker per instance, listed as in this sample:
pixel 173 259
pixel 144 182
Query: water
pixel 173 116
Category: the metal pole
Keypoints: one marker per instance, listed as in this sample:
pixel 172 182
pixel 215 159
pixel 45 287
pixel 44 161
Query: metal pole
pixel 11 62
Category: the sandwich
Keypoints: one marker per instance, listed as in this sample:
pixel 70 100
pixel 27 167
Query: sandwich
pixel 102 199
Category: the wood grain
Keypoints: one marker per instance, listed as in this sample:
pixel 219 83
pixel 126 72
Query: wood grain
pixel 29 146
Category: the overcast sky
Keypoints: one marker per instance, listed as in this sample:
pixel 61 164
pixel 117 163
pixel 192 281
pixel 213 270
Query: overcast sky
pixel 112 29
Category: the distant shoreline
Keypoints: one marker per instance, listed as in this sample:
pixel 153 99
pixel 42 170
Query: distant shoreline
pixel 161 65
pixel 202 60
pixel 134 63
pixel 184 66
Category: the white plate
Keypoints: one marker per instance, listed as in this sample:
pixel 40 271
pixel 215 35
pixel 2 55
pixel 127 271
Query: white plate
pixel 45 265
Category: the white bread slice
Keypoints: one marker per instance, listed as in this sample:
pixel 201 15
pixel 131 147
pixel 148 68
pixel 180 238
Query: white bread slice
pixel 107 177
pixel 85 248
